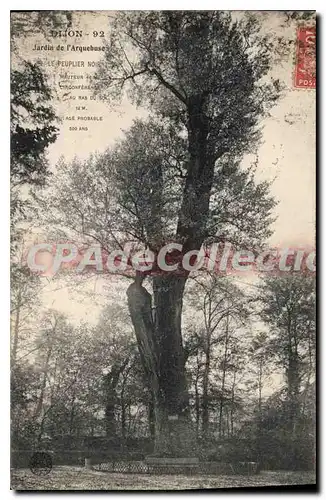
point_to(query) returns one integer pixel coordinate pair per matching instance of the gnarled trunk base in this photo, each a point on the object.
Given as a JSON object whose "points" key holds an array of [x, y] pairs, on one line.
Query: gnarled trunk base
{"points": [[161, 352], [174, 436]]}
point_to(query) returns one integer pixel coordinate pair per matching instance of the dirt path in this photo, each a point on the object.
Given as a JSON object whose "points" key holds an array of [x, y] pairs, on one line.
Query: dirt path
{"points": [[74, 478]]}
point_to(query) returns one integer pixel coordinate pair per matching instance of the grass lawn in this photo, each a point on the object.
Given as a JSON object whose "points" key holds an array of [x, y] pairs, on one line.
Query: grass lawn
{"points": [[76, 478]]}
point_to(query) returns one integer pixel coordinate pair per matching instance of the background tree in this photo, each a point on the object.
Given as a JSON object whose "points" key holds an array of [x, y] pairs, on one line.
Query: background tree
{"points": [[288, 307], [114, 328], [33, 127], [32, 124], [224, 308], [260, 359], [32, 130], [24, 295]]}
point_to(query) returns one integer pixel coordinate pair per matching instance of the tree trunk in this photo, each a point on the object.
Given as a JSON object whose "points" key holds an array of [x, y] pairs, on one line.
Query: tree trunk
{"points": [[72, 416], [260, 414], [197, 399], [223, 375], [123, 421], [227, 421], [205, 414], [16, 331], [293, 379], [161, 352], [160, 340], [168, 296], [39, 405], [200, 172], [41, 430], [110, 427], [232, 404], [111, 380], [309, 373], [151, 418]]}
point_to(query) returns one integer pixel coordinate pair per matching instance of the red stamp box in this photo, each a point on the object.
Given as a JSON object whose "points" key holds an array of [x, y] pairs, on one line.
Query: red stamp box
{"points": [[305, 65]]}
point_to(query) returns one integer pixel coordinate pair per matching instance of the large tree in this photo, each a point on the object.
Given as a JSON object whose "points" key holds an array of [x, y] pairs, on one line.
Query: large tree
{"points": [[177, 177], [201, 71]]}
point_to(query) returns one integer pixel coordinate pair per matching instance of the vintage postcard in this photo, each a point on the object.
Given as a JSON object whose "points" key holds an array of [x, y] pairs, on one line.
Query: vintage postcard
{"points": [[163, 266]]}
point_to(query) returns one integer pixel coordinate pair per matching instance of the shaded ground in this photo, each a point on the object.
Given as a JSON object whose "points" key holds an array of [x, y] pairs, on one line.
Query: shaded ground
{"points": [[75, 478]]}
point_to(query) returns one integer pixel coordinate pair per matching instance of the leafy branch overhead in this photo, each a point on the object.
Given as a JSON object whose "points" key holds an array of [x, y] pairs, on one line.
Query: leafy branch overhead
{"points": [[202, 75]]}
